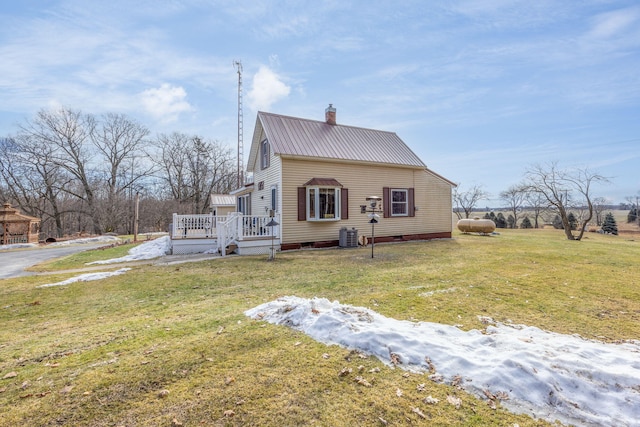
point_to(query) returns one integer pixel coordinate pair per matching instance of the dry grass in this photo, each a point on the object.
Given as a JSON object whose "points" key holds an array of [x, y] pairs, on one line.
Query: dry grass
{"points": [[101, 353]]}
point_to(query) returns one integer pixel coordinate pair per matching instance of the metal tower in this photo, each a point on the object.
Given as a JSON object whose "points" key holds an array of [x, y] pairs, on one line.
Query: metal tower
{"points": [[238, 66]]}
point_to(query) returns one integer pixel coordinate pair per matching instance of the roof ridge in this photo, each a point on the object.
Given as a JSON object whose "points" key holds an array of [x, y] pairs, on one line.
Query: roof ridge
{"points": [[323, 122]]}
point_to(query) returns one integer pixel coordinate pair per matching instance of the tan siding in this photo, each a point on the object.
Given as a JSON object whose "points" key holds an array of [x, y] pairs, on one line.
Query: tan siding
{"points": [[432, 198]]}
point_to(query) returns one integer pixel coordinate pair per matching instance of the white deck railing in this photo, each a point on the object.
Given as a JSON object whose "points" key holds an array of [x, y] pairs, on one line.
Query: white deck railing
{"points": [[194, 226], [234, 227]]}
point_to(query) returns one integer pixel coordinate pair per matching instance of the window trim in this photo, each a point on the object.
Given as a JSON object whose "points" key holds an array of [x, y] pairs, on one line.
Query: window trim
{"points": [[274, 198], [337, 201], [243, 204], [386, 202], [405, 203], [265, 154]]}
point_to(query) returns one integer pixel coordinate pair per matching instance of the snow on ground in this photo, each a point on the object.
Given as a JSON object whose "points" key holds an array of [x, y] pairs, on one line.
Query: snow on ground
{"points": [[85, 240], [543, 374], [147, 250], [87, 277], [18, 246]]}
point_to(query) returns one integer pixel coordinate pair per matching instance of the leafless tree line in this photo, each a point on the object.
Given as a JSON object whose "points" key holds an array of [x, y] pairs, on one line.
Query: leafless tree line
{"points": [[80, 173], [545, 189]]}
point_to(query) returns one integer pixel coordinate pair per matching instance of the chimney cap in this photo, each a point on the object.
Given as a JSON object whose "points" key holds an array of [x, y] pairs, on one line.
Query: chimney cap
{"points": [[330, 108]]}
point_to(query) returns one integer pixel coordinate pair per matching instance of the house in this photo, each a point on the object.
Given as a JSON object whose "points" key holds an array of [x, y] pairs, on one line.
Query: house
{"points": [[315, 176]]}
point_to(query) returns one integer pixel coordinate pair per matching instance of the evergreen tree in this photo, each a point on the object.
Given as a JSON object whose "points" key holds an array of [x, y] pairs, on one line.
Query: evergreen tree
{"points": [[511, 222], [609, 226], [486, 216], [573, 221], [632, 216], [557, 223], [526, 223], [500, 221]]}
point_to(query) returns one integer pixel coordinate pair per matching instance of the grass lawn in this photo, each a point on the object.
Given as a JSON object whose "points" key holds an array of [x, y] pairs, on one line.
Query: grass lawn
{"points": [[170, 346]]}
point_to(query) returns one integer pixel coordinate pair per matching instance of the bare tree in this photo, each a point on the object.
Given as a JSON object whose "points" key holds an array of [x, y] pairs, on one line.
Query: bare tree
{"points": [[514, 197], [193, 169], [120, 142], [67, 134], [35, 181], [560, 188], [599, 206], [538, 204], [466, 201]]}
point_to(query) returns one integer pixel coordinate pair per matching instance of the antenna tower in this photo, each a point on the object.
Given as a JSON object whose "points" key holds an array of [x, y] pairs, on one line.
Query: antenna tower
{"points": [[238, 66]]}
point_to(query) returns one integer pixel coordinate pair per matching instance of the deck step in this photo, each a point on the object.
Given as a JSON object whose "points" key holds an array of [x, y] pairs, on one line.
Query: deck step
{"points": [[231, 248]]}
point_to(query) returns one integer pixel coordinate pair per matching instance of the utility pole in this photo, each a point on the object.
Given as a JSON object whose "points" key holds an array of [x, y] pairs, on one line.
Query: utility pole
{"points": [[238, 66], [135, 217]]}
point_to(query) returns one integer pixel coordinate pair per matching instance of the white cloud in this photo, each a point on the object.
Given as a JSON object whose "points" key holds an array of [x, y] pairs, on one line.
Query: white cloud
{"points": [[165, 102], [267, 88], [612, 23]]}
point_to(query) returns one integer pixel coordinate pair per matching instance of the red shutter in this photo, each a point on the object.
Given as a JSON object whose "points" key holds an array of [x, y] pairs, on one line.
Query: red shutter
{"points": [[302, 203], [412, 203], [344, 203], [386, 202]]}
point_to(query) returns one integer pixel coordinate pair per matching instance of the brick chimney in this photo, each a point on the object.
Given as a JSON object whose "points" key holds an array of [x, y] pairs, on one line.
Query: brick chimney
{"points": [[330, 115]]}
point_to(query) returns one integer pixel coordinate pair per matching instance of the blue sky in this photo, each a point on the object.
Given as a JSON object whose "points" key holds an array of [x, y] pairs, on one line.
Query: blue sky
{"points": [[479, 90]]}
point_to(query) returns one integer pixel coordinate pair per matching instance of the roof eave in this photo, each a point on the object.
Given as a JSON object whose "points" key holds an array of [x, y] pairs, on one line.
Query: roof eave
{"points": [[349, 161]]}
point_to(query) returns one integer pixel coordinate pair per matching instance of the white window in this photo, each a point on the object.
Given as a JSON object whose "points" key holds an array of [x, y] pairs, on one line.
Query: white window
{"points": [[244, 204], [265, 152], [323, 203], [274, 198], [399, 202]]}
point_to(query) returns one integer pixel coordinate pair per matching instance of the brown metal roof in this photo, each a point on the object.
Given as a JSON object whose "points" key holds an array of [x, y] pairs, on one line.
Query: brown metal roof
{"points": [[292, 136], [323, 182]]}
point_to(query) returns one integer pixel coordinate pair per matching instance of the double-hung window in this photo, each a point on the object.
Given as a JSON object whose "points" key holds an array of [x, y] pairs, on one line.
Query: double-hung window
{"points": [[265, 152], [399, 202]]}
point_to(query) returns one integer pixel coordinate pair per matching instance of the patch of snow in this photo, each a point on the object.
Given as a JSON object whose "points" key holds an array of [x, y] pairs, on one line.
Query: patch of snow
{"points": [[85, 240], [18, 246], [87, 277], [147, 250], [438, 291], [543, 374]]}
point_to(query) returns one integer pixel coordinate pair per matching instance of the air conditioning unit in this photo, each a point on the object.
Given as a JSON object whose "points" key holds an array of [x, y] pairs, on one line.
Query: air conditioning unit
{"points": [[348, 238]]}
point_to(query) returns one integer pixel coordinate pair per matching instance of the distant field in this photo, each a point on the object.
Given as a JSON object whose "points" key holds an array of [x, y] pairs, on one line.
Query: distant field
{"points": [[170, 346], [619, 215]]}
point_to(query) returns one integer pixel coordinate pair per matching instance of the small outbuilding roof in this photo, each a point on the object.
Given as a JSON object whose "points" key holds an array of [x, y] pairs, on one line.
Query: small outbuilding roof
{"points": [[223, 200], [296, 137], [10, 215]]}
